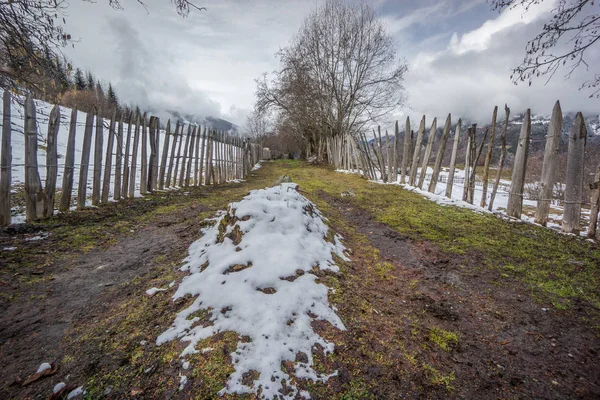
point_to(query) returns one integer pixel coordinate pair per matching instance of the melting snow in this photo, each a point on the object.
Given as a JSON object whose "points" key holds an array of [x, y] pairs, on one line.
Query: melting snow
{"points": [[75, 392], [43, 367], [154, 290], [283, 237]]}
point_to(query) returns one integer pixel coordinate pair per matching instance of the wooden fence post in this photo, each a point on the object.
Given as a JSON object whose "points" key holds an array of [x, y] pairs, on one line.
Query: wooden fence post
{"points": [[405, 151], [108, 160], [417, 153], [156, 153], [475, 154], [502, 157], [85, 157], [188, 171], [574, 176], [144, 160], [201, 177], [488, 159], [595, 200], [118, 161], [390, 161], [5, 161], [51, 162], [134, 152], [467, 171], [165, 153], [33, 190], [549, 166], [396, 145], [185, 152], [450, 182], [67, 183], [172, 159], [209, 151], [197, 157], [427, 155], [440, 155], [515, 197], [593, 229], [125, 190], [98, 159], [151, 163]]}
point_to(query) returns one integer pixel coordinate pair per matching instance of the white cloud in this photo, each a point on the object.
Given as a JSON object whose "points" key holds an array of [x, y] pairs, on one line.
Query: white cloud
{"points": [[472, 75]]}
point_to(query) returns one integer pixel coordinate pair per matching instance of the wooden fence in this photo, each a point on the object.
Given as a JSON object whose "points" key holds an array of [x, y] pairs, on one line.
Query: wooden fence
{"points": [[377, 159], [133, 156]]}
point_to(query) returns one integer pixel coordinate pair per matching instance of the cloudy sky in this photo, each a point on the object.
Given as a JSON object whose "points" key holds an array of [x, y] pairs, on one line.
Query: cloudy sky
{"points": [[459, 54]]}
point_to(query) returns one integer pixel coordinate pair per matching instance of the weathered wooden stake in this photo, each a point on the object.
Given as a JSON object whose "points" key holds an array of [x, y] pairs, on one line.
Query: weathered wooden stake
{"points": [[51, 162], [152, 132], [405, 151], [33, 190], [125, 190], [85, 158], [184, 159], [515, 197], [108, 160], [118, 161], [549, 166], [593, 231], [190, 157], [427, 155], [144, 160], [440, 155], [134, 153], [202, 156], [468, 161], [165, 153], [417, 153], [172, 158], [502, 157], [97, 184], [488, 159], [450, 182], [5, 161], [197, 157], [574, 176]]}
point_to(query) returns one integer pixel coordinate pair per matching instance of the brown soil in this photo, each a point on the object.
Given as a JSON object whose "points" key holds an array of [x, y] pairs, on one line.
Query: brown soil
{"points": [[508, 344]]}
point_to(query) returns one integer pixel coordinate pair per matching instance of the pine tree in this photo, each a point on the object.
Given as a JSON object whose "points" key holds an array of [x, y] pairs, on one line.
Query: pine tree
{"points": [[113, 101], [79, 80], [61, 76], [90, 81]]}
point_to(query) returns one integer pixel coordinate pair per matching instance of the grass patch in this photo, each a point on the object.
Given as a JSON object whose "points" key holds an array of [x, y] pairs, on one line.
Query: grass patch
{"points": [[558, 268], [444, 339]]}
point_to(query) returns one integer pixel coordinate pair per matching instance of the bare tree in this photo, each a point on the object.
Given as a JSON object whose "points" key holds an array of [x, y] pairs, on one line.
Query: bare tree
{"points": [[340, 73], [574, 24], [257, 126]]}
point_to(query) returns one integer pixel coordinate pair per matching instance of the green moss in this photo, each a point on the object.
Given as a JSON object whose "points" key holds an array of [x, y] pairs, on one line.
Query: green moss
{"points": [[384, 269], [444, 339], [439, 379]]}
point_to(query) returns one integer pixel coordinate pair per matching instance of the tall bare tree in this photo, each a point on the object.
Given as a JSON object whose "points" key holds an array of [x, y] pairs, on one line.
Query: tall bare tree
{"points": [[340, 73]]}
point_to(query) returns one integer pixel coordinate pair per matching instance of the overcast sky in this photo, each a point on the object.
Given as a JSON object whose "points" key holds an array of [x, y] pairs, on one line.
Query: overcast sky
{"points": [[459, 54]]}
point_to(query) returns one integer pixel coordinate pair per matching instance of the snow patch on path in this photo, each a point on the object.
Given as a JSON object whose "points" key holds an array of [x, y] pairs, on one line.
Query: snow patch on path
{"points": [[283, 236]]}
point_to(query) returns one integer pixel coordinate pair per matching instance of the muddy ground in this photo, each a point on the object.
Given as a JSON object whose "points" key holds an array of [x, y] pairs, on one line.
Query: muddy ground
{"points": [[421, 322]]}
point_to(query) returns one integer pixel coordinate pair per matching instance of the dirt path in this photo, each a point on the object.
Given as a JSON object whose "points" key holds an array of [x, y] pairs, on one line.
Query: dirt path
{"points": [[421, 321], [507, 344]]}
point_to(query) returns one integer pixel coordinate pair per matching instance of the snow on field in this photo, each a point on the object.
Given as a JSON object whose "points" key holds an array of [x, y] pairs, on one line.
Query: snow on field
{"points": [[250, 271], [500, 201], [42, 112]]}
